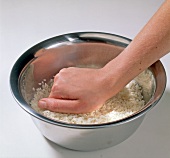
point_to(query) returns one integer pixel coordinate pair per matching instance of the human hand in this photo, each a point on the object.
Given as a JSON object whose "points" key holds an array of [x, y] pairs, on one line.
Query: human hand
{"points": [[77, 90]]}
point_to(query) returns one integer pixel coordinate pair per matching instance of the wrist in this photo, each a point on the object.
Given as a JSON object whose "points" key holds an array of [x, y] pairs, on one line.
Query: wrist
{"points": [[112, 79]]}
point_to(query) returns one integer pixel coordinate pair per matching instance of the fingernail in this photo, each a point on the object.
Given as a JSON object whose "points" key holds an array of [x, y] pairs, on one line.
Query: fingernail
{"points": [[42, 104]]}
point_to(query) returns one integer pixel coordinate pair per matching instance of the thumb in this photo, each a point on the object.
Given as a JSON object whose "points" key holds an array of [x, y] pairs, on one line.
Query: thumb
{"points": [[60, 105]]}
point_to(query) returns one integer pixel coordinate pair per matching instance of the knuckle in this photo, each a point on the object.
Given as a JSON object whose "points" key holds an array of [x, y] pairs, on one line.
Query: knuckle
{"points": [[48, 105], [55, 91], [52, 105], [55, 87], [62, 70], [56, 77]]}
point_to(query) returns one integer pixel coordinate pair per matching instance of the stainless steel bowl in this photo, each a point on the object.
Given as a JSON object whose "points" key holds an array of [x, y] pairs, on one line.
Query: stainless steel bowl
{"points": [[81, 49]]}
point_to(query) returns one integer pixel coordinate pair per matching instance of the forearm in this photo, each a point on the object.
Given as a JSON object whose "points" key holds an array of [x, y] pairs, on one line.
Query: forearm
{"points": [[148, 46]]}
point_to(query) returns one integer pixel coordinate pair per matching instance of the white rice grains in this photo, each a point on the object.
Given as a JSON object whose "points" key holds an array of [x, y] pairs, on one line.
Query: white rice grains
{"points": [[125, 103]]}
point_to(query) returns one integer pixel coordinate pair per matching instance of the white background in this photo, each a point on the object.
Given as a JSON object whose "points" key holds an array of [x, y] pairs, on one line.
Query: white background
{"points": [[24, 23]]}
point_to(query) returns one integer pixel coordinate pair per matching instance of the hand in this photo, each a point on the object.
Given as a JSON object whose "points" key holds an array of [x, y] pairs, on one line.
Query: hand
{"points": [[77, 90]]}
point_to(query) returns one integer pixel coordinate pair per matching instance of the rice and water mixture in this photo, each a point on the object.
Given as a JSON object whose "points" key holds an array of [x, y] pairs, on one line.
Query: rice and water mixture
{"points": [[125, 103]]}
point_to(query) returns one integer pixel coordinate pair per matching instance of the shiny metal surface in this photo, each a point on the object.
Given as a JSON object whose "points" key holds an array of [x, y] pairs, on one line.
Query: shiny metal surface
{"points": [[88, 139], [82, 49]]}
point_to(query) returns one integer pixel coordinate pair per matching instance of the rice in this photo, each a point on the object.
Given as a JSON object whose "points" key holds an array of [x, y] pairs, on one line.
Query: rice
{"points": [[125, 103]]}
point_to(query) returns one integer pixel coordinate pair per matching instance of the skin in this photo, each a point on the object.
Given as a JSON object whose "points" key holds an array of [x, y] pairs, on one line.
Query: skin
{"points": [[82, 90]]}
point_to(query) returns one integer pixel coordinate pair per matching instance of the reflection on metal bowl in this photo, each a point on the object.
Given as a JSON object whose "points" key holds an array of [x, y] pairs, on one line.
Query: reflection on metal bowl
{"points": [[80, 49]]}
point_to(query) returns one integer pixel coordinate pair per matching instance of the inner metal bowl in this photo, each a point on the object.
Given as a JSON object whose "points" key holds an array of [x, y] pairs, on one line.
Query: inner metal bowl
{"points": [[81, 49]]}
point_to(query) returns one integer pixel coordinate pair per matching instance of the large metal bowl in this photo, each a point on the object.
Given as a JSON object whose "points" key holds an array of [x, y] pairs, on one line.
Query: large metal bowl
{"points": [[81, 49]]}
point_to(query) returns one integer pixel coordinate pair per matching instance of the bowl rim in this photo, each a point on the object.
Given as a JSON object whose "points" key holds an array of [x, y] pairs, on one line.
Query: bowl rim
{"points": [[29, 55]]}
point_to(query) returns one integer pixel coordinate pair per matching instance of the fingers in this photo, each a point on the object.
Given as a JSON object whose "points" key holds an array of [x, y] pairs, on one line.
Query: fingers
{"points": [[59, 105], [63, 91], [59, 92]]}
